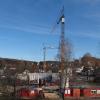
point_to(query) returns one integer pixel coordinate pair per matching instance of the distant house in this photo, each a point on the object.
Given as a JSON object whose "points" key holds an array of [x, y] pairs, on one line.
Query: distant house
{"points": [[97, 75], [23, 75], [1, 71], [79, 70]]}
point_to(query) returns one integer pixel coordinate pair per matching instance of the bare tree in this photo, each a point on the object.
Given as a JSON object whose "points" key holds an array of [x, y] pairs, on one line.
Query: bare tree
{"points": [[67, 51]]}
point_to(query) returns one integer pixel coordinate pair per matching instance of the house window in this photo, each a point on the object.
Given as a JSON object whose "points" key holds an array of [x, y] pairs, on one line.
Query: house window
{"points": [[98, 91], [67, 91], [93, 91]]}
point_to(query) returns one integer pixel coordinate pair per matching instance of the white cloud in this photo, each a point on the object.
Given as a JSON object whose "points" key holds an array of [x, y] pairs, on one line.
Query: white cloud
{"points": [[35, 29]]}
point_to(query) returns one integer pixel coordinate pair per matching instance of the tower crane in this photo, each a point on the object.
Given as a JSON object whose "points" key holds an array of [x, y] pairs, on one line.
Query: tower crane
{"points": [[44, 53], [61, 20], [64, 77], [62, 40]]}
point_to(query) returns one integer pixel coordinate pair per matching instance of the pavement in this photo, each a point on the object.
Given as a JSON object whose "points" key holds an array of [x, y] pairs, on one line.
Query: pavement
{"points": [[51, 96]]}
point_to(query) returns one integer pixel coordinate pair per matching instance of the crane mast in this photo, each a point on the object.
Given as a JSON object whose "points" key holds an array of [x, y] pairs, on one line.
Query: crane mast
{"points": [[62, 44], [63, 70], [62, 40], [62, 53]]}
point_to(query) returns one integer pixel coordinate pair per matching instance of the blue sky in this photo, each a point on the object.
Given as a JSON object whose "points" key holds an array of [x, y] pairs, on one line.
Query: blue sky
{"points": [[25, 25]]}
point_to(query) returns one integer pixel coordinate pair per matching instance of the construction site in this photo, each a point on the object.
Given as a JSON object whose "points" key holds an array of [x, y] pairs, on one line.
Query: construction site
{"points": [[63, 78]]}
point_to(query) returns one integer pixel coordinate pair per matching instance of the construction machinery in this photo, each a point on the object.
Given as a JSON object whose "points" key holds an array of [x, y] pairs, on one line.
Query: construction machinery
{"points": [[63, 70]]}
